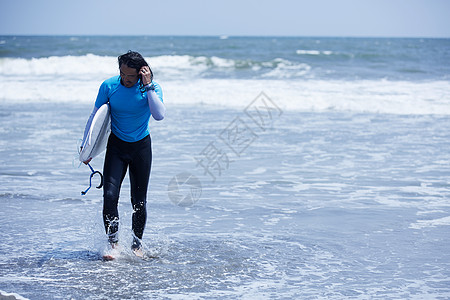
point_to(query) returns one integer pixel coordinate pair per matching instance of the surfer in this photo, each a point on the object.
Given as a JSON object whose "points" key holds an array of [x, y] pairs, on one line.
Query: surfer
{"points": [[133, 97]]}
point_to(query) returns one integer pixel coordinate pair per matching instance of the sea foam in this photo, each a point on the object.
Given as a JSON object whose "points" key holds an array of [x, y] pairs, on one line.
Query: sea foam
{"points": [[77, 79]]}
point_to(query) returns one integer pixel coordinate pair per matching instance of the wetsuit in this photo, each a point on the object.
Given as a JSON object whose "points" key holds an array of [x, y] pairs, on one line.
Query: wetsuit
{"points": [[129, 147]]}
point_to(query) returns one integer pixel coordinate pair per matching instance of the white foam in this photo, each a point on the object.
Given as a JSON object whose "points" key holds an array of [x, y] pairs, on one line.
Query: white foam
{"points": [[11, 296], [167, 66], [182, 67], [420, 224], [286, 69], [178, 66], [313, 52], [308, 52], [56, 66], [317, 95], [258, 170], [70, 79]]}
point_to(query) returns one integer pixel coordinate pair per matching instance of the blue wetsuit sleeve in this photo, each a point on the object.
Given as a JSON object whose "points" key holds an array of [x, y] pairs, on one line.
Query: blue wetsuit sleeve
{"points": [[155, 101], [102, 96]]}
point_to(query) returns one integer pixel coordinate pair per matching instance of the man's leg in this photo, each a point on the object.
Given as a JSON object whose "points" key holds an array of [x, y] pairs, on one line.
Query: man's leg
{"points": [[114, 171], [139, 179]]}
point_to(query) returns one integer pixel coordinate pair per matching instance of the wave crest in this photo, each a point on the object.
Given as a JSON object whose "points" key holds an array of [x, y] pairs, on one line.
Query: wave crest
{"points": [[165, 66]]}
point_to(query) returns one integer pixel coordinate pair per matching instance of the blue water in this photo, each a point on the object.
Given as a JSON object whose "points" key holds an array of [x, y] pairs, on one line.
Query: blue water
{"points": [[328, 58], [333, 183]]}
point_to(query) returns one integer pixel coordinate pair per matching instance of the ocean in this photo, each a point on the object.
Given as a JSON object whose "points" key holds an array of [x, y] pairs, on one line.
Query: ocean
{"points": [[286, 168]]}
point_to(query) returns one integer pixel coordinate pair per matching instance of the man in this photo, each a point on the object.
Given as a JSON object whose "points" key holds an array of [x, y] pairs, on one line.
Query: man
{"points": [[133, 97]]}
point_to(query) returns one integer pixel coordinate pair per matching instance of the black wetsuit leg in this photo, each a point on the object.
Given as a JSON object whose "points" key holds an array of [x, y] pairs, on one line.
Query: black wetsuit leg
{"points": [[119, 157], [139, 169]]}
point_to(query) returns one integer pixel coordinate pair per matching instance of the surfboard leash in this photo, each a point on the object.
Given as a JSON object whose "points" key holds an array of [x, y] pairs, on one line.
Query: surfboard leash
{"points": [[90, 180]]}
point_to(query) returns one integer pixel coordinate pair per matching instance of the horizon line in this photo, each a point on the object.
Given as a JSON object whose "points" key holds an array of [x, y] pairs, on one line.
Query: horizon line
{"points": [[223, 36]]}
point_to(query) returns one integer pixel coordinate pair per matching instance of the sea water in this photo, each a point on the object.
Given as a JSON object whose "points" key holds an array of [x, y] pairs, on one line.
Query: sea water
{"points": [[286, 168]]}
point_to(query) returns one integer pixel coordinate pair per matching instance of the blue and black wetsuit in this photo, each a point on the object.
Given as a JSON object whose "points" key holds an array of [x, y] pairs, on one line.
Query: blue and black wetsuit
{"points": [[129, 147]]}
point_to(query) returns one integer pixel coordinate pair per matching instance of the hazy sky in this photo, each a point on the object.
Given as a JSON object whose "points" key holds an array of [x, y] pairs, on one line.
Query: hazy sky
{"points": [[370, 18]]}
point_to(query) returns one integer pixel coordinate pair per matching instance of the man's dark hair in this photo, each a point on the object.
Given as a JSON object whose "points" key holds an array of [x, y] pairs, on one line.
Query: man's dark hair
{"points": [[133, 60]]}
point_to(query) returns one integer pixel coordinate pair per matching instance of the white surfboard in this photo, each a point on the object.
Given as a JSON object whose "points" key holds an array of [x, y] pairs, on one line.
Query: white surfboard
{"points": [[97, 136]]}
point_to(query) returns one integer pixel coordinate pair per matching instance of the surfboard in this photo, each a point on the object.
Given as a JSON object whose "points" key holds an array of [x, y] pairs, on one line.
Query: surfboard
{"points": [[98, 133]]}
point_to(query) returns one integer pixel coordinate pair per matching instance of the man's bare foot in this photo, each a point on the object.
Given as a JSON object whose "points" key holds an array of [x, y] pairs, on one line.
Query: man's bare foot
{"points": [[112, 252], [138, 252]]}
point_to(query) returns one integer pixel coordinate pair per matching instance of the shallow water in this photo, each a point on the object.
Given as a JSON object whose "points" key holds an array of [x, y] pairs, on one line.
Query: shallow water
{"points": [[315, 205]]}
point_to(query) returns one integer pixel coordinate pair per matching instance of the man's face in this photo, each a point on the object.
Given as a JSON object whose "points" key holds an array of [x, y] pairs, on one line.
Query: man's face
{"points": [[129, 76]]}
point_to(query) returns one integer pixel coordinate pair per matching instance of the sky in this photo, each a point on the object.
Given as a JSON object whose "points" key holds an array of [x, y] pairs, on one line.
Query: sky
{"points": [[352, 18]]}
